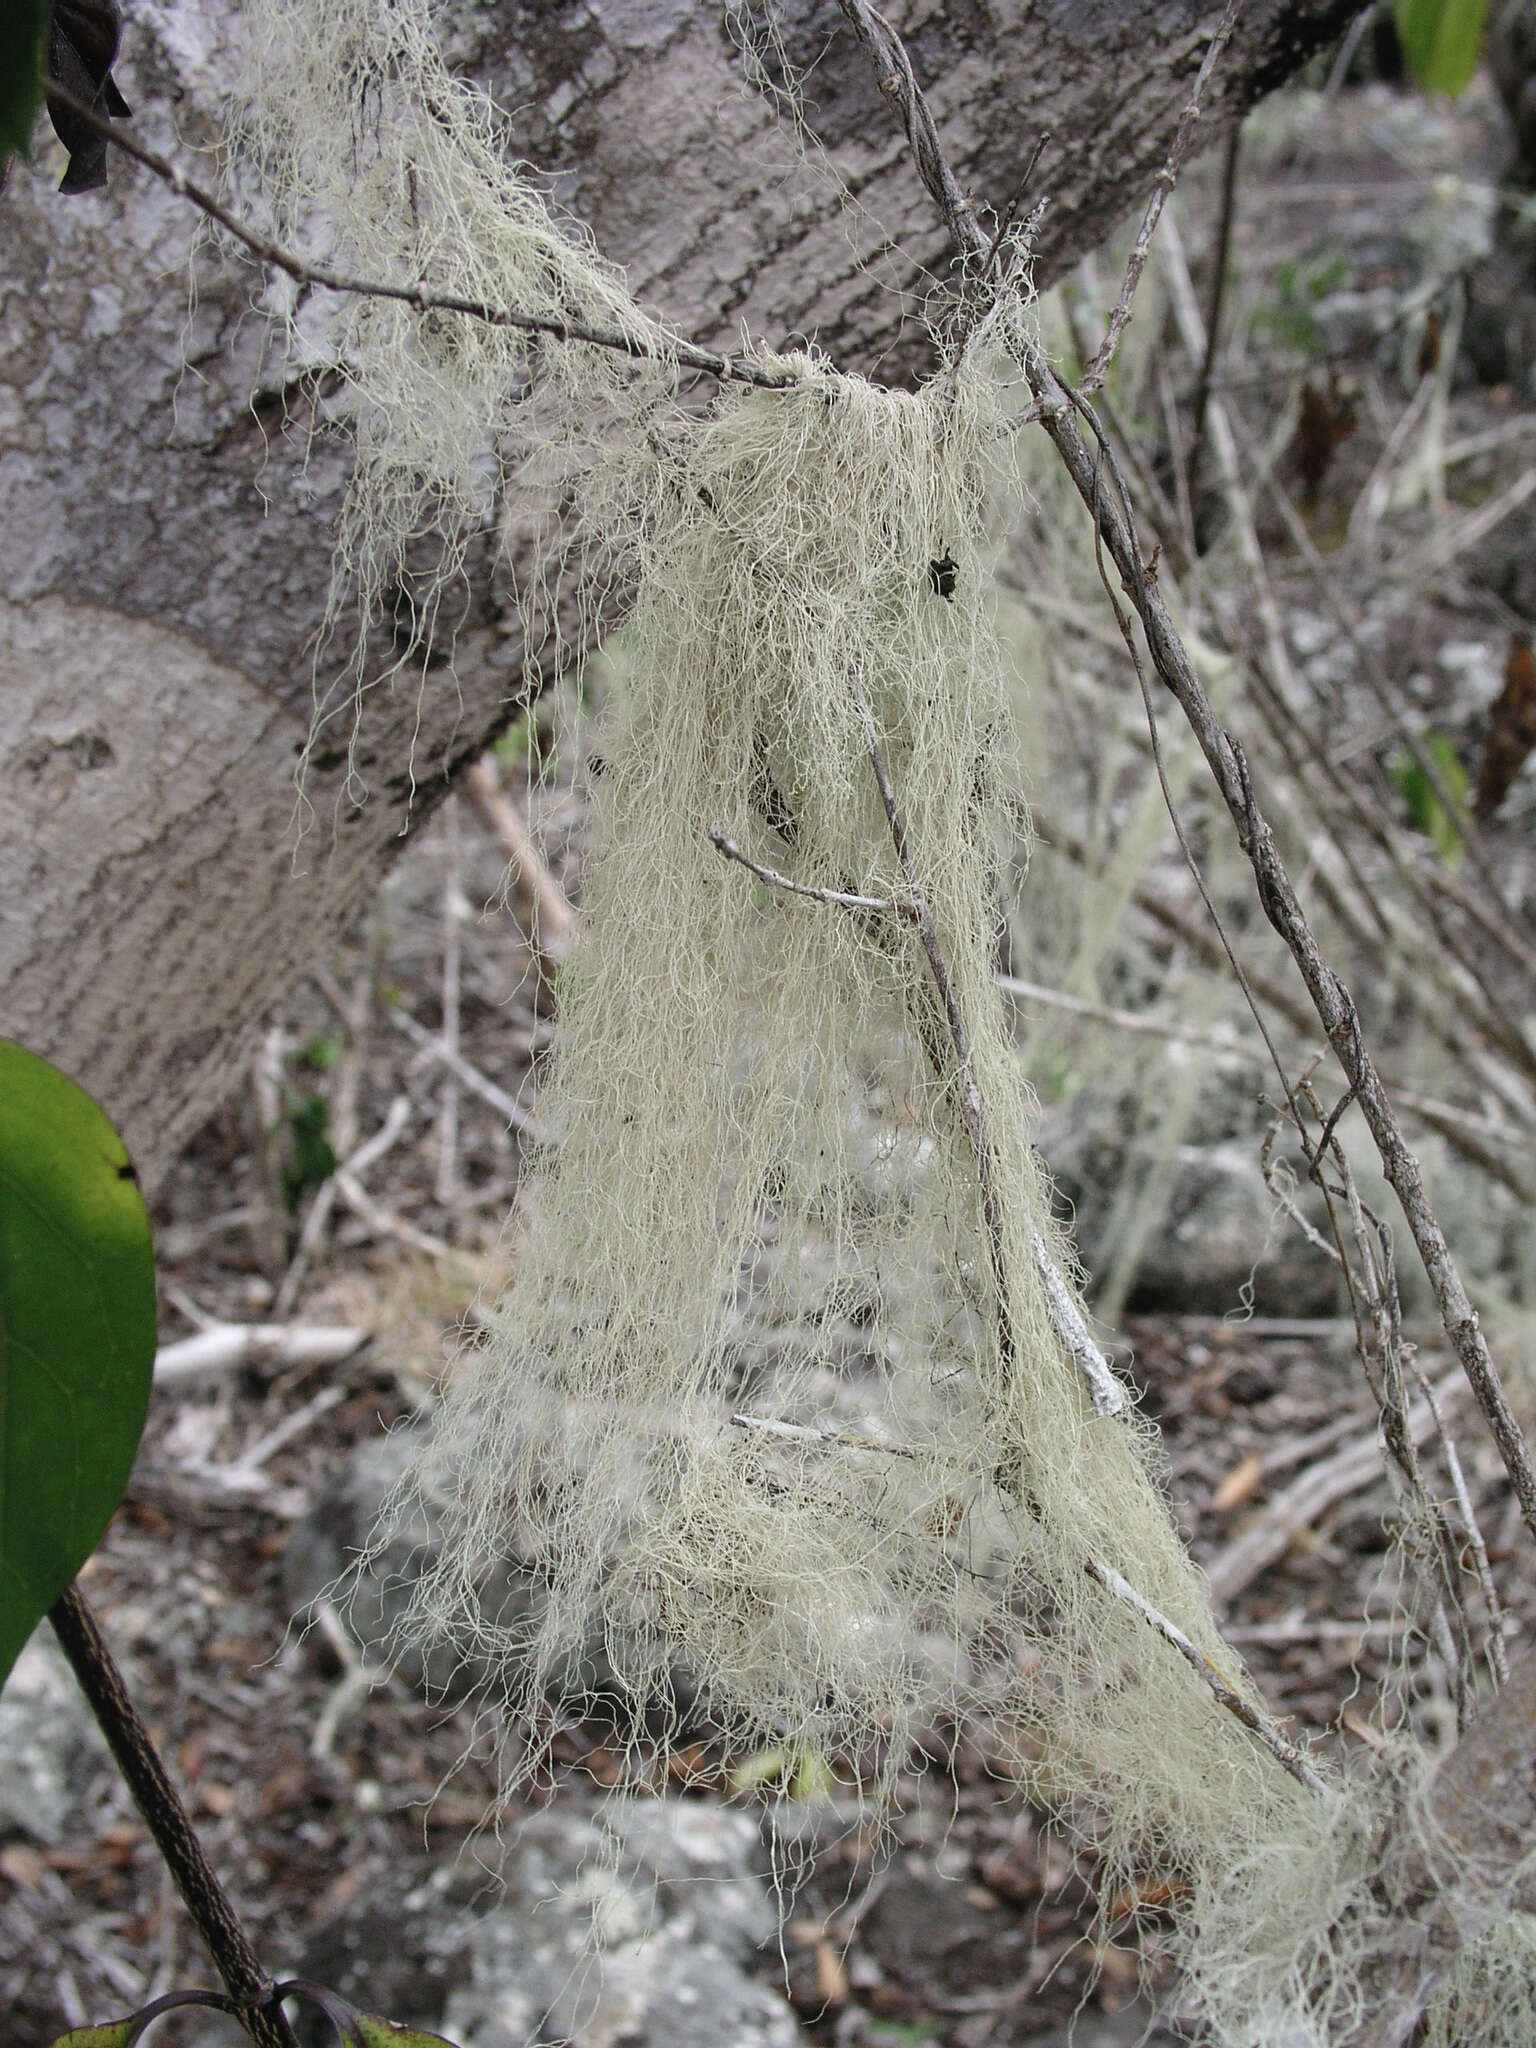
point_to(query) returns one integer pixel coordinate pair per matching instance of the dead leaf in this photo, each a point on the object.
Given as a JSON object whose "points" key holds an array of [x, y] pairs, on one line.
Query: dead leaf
{"points": [[1147, 1895], [1240, 1484], [1511, 730], [1429, 344], [23, 1866], [1357, 1725], [831, 1978], [1327, 417]]}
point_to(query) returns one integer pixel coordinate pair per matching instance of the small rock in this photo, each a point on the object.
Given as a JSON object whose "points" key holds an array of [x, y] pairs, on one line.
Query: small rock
{"points": [[49, 1745], [633, 1930]]}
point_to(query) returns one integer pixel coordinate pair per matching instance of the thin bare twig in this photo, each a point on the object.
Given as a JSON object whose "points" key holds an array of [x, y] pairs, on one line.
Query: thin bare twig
{"points": [[1220, 263], [549, 923], [1167, 178], [476, 1082], [1497, 1654], [424, 297]]}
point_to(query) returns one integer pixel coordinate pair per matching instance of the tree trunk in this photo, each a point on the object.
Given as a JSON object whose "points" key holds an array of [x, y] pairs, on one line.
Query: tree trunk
{"points": [[165, 557]]}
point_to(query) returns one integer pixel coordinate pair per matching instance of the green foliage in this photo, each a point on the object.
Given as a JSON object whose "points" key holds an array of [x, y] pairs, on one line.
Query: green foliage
{"points": [[77, 1334], [322, 1053], [517, 744], [23, 55], [803, 1773], [1425, 810], [1300, 283], [350, 2028], [310, 1159], [373, 2032], [1441, 40]]}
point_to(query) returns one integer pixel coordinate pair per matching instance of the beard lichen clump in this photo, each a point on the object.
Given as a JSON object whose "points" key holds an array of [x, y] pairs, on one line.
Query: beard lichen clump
{"points": [[356, 145], [789, 1398], [783, 1392]]}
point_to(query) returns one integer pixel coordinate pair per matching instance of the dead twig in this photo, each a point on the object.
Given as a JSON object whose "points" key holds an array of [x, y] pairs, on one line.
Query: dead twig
{"points": [[1166, 179], [265, 1347], [478, 1084], [548, 919], [1226, 1693], [665, 348]]}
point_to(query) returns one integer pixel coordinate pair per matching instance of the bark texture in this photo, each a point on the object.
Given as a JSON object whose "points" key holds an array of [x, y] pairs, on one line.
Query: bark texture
{"points": [[164, 559]]}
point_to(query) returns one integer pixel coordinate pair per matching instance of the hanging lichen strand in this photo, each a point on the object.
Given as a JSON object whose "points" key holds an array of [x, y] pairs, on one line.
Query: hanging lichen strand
{"points": [[790, 1400], [786, 1390], [359, 146]]}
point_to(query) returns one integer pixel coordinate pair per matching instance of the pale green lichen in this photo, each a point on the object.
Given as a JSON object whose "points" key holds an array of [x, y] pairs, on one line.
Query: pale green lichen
{"points": [[760, 1203]]}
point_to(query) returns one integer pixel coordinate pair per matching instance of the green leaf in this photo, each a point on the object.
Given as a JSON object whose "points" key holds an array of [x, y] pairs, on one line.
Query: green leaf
{"points": [[1441, 39], [377, 2033], [1425, 810], [126, 2033], [23, 55], [77, 1334], [310, 1160]]}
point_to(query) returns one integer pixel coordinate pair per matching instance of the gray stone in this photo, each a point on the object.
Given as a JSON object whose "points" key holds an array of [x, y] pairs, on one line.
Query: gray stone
{"points": [[50, 1747], [635, 1929]]}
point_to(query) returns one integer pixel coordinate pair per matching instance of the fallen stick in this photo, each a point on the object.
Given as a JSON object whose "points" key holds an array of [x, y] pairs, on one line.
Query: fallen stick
{"points": [[269, 1346], [547, 917], [1308, 1498], [471, 1076]]}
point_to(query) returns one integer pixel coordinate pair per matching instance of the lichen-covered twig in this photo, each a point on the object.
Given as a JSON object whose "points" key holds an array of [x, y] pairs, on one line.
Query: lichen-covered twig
{"points": [[840, 899], [1226, 1693], [806, 1433], [423, 296], [1103, 1388]]}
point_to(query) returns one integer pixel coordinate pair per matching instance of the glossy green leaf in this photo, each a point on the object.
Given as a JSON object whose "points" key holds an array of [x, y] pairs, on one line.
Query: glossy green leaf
{"points": [[23, 52], [77, 1334], [115, 2034], [1441, 40]]}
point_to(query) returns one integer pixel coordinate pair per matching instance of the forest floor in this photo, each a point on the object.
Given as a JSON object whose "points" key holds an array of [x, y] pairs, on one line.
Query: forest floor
{"points": [[335, 1807]]}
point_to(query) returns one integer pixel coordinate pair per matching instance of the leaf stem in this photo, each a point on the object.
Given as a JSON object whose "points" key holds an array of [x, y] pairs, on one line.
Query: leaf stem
{"points": [[256, 1997]]}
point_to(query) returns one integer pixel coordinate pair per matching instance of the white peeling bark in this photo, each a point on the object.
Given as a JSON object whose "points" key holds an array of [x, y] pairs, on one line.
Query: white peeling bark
{"points": [[164, 552]]}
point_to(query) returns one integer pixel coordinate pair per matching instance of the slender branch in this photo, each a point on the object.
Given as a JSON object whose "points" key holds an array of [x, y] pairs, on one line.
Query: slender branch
{"points": [[842, 899], [1167, 178], [1220, 264], [805, 1433], [1226, 1693], [424, 297], [894, 75], [256, 1998], [1497, 1651]]}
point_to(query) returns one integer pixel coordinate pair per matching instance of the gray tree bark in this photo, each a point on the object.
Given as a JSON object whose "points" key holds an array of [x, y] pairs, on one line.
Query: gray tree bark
{"points": [[164, 560]]}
